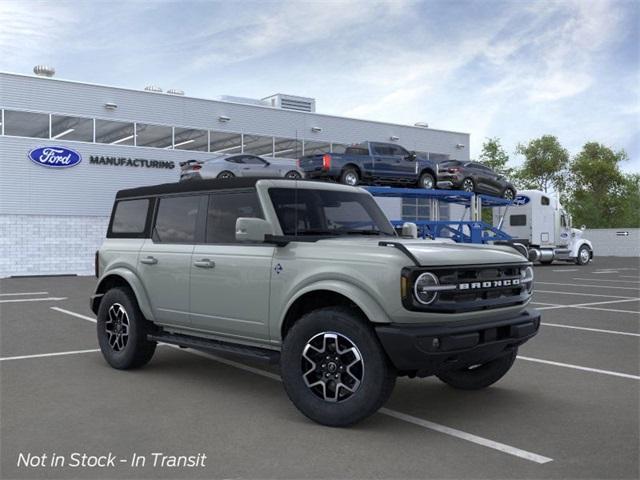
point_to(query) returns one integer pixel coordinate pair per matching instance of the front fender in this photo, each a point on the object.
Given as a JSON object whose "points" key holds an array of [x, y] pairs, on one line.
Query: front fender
{"points": [[576, 246], [133, 281], [369, 306]]}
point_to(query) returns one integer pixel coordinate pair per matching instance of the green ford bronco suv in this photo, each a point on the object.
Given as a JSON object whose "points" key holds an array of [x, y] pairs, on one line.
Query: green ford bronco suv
{"points": [[311, 276]]}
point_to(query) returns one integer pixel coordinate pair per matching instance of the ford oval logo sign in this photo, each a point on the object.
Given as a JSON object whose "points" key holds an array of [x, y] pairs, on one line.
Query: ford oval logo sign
{"points": [[55, 157], [521, 200]]}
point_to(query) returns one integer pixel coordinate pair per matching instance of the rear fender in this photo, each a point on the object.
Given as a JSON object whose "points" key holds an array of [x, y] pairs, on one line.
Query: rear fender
{"points": [[129, 278]]}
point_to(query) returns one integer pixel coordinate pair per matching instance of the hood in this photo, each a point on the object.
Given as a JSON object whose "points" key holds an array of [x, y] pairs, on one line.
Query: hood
{"points": [[438, 252]]}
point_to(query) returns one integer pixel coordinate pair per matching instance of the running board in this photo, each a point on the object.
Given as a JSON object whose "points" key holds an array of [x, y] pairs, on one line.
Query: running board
{"points": [[210, 345]]}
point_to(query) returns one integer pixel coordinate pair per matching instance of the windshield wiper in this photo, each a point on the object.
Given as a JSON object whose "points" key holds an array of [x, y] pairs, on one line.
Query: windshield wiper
{"points": [[319, 232], [365, 232]]}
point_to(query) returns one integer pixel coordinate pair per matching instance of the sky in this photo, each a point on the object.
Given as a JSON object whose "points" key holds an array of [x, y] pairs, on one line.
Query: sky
{"points": [[509, 69]]}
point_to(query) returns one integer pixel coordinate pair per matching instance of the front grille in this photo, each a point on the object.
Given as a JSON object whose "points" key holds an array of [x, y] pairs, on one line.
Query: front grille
{"points": [[474, 288]]}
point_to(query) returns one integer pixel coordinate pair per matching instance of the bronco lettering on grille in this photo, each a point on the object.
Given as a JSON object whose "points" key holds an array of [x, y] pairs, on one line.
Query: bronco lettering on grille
{"points": [[510, 282]]}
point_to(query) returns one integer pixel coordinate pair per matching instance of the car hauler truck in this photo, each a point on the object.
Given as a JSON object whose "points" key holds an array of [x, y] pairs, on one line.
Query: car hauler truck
{"points": [[538, 221]]}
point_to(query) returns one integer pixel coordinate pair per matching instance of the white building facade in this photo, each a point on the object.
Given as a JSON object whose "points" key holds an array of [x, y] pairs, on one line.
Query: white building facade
{"points": [[53, 219]]}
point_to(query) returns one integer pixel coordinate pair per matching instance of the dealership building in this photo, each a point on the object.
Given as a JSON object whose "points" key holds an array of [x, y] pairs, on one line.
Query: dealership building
{"points": [[53, 219]]}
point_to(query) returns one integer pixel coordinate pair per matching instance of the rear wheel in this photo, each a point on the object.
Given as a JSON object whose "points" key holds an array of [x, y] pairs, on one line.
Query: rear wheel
{"points": [[226, 174], [350, 177], [477, 377], [334, 369], [427, 181], [584, 255], [293, 175], [122, 331], [468, 185]]}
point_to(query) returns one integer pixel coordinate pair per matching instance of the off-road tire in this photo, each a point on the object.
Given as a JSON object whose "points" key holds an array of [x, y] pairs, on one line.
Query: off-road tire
{"points": [[346, 176], [580, 259], [225, 174], [378, 378], [137, 350], [426, 178], [481, 376]]}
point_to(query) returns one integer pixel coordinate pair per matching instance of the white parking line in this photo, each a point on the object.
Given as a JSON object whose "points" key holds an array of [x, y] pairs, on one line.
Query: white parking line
{"points": [[628, 276], [607, 280], [604, 272], [588, 286], [579, 294], [533, 457], [588, 305], [567, 270], [469, 437], [45, 299], [579, 367], [41, 355], [23, 293], [598, 330], [73, 314]]}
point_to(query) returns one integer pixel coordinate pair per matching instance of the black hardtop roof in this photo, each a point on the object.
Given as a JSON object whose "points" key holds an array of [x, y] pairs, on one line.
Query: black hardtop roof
{"points": [[193, 186]]}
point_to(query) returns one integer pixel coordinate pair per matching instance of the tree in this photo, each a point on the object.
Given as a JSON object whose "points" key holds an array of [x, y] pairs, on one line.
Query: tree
{"points": [[545, 164], [495, 157], [601, 196]]}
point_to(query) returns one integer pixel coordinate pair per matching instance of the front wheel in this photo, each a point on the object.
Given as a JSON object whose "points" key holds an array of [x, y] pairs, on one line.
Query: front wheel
{"points": [[122, 331], [584, 255], [225, 174], [509, 194], [481, 376], [334, 369]]}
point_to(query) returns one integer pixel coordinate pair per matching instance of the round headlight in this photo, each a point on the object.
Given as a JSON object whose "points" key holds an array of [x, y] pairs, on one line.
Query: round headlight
{"points": [[526, 277], [424, 288]]}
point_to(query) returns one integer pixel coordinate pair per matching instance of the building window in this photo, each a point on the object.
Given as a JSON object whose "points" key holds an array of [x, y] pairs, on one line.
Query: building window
{"points": [[415, 209], [258, 145], [26, 124], [517, 220], [287, 148], [190, 139], [114, 133], [314, 148], [71, 128], [225, 142], [157, 136]]}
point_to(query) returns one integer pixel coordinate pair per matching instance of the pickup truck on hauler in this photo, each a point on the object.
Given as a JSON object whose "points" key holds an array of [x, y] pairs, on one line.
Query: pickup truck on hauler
{"points": [[372, 163], [313, 276]]}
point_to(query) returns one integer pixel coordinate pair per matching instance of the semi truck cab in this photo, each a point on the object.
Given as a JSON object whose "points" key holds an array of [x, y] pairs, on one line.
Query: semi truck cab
{"points": [[538, 221]]}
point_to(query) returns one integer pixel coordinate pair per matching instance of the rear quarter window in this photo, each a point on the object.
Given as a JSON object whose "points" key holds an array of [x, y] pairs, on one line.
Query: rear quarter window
{"points": [[518, 220], [130, 218]]}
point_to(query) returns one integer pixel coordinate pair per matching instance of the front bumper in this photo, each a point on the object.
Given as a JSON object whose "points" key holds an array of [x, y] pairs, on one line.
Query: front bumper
{"points": [[428, 349]]}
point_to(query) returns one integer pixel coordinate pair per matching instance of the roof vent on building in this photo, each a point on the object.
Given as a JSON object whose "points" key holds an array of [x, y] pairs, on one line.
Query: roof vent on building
{"points": [[421, 124], [291, 102], [175, 91], [44, 71], [153, 88]]}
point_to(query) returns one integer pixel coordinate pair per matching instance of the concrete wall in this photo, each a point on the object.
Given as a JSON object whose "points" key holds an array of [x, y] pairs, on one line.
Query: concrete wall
{"points": [[608, 242]]}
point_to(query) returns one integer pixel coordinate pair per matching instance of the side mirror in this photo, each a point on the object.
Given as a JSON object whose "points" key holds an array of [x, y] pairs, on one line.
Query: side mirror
{"points": [[250, 229], [412, 156], [409, 229]]}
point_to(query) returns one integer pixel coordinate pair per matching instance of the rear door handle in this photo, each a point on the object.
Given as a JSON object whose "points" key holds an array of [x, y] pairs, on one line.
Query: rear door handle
{"points": [[149, 260], [204, 263]]}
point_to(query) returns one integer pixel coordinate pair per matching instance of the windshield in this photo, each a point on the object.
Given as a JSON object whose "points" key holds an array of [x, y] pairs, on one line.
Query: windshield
{"points": [[326, 212]]}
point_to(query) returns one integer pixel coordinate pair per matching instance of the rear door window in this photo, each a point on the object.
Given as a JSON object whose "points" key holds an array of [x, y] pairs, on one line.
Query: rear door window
{"points": [[176, 219], [130, 218]]}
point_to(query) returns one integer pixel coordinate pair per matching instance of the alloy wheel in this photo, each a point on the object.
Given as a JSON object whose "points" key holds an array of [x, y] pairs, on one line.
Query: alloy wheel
{"points": [[351, 179], [508, 194], [467, 185], [117, 327], [584, 255], [427, 182], [333, 366]]}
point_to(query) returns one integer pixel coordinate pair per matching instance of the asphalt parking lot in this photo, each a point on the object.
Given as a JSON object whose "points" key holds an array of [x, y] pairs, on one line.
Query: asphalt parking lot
{"points": [[568, 409]]}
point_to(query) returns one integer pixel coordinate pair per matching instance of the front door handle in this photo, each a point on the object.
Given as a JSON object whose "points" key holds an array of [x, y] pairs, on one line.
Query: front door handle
{"points": [[149, 260], [204, 263]]}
